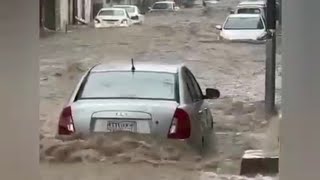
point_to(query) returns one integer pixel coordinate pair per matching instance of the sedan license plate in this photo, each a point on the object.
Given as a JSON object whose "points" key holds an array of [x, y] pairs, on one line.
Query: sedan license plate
{"points": [[113, 126]]}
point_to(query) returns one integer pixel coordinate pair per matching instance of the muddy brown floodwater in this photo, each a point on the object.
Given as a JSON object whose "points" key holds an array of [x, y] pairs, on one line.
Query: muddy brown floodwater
{"points": [[188, 37]]}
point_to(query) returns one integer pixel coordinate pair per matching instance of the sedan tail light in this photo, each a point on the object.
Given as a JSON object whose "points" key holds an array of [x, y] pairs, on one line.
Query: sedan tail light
{"points": [[181, 126], [66, 125]]}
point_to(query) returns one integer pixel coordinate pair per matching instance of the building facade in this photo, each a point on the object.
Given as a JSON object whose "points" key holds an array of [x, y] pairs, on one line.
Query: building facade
{"points": [[55, 15]]}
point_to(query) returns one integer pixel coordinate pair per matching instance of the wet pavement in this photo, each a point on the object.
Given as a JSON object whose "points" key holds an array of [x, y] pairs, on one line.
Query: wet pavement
{"points": [[189, 37]]}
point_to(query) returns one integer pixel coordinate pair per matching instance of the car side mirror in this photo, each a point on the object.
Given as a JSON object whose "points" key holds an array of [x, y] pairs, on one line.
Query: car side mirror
{"points": [[149, 8], [96, 20], [266, 35], [231, 11], [219, 27], [212, 93], [134, 17]]}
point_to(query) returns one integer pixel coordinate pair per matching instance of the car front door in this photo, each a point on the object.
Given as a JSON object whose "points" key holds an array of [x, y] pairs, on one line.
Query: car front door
{"points": [[199, 108]]}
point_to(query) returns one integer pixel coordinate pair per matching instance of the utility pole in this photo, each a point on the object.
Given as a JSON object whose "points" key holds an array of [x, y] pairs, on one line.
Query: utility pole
{"points": [[270, 76]]}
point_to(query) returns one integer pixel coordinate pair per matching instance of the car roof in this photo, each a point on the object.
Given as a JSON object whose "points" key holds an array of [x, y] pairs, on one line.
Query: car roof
{"points": [[250, 6], [263, 3], [169, 2], [150, 67], [121, 5], [244, 15], [111, 8]]}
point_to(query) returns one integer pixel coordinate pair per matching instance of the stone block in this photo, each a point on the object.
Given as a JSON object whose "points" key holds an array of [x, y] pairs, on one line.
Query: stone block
{"points": [[256, 162]]}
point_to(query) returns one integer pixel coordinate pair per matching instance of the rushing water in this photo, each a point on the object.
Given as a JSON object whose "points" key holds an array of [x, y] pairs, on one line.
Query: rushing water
{"points": [[108, 171]]}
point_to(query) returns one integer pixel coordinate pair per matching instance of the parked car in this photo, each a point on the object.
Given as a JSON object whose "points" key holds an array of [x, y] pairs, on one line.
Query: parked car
{"points": [[251, 7], [210, 3], [255, 7], [112, 17], [134, 13], [187, 3], [162, 100], [164, 6], [261, 3], [243, 27]]}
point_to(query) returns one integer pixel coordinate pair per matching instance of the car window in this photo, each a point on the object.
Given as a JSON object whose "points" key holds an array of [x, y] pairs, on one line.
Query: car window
{"points": [[125, 84], [237, 23], [190, 88], [197, 90], [112, 13]]}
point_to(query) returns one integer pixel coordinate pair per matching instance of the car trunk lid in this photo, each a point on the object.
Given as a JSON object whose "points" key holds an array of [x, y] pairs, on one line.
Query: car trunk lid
{"points": [[106, 115]]}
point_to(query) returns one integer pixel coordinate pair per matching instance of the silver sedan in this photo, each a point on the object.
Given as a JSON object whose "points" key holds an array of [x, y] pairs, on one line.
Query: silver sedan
{"points": [[162, 100]]}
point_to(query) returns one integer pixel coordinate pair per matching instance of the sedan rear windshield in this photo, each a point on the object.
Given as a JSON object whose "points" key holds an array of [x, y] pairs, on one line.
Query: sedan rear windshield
{"points": [[238, 23], [161, 6], [129, 85], [112, 13], [249, 11]]}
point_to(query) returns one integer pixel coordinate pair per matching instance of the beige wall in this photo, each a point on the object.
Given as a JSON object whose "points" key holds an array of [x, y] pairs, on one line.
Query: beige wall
{"points": [[86, 6], [88, 10], [64, 14]]}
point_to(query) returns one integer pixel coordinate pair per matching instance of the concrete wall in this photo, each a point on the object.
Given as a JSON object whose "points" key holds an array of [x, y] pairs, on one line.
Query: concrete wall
{"points": [[96, 6], [57, 15], [79, 8], [70, 9], [87, 10], [64, 14], [84, 9]]}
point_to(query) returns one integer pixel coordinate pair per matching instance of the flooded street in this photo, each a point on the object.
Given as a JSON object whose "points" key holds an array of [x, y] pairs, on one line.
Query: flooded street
{"points": [[189, 37], [123, 172]]}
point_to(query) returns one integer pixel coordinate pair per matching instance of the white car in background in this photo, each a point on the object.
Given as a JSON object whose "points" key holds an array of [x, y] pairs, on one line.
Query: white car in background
{"points": [[112, 17], [239, 27], [164, 6], [251, 7], [210, 3], [134, 13], [255, 7]]}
